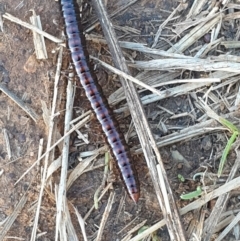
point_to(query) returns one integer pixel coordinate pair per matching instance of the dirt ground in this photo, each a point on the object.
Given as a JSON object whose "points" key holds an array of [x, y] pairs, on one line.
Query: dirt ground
{"points": [[32, 81]]}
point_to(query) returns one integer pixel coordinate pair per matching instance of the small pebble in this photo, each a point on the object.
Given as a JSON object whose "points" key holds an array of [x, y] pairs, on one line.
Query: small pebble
{"points": [[206, 143], [179, 166], [207, 38]]}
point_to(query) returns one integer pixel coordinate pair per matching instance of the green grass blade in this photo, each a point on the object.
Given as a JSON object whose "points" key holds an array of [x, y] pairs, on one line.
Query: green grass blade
{"points": [[226, 151], [192, 195]]}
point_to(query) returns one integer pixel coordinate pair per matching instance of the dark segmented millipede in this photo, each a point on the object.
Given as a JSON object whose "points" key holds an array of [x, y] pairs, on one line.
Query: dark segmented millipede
{"points": [[77, 45]]}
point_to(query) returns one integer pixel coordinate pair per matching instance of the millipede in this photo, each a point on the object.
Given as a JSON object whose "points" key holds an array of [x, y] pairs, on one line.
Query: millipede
{"points": [[80, 58]]}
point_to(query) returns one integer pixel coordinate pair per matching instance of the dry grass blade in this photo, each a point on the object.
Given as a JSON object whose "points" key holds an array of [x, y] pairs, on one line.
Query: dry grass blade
{"points": [[80, 168], [11, 218], [81, 223], [126, 76], [105, 216], [228, 228], [220, 205], [61, 200], [230, 44], [119, 9], [164, 24], [19, 102], [233, 184], [151, 78], [194, 230], [1, 23], [106, 189], [195, 34], [34, 230], [70, 228], [77, 126], [54, 166], [190, 64], [31, 27], [196, 8], [51, 138], [151, 151], [133, 230], [39, 43], [129, 224], [142, 48], [175, 91], [8, 147]]}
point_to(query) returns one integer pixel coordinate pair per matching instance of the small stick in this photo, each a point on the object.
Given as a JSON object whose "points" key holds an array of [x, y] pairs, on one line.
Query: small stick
{"points": [[1, 23], [8, 147]]}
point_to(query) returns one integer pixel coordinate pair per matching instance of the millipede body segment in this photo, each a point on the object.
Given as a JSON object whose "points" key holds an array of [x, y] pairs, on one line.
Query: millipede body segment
{"points": [[77, 45]]}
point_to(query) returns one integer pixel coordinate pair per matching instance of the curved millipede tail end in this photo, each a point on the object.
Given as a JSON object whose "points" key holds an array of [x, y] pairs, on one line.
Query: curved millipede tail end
{"points": [[135, 196]]}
